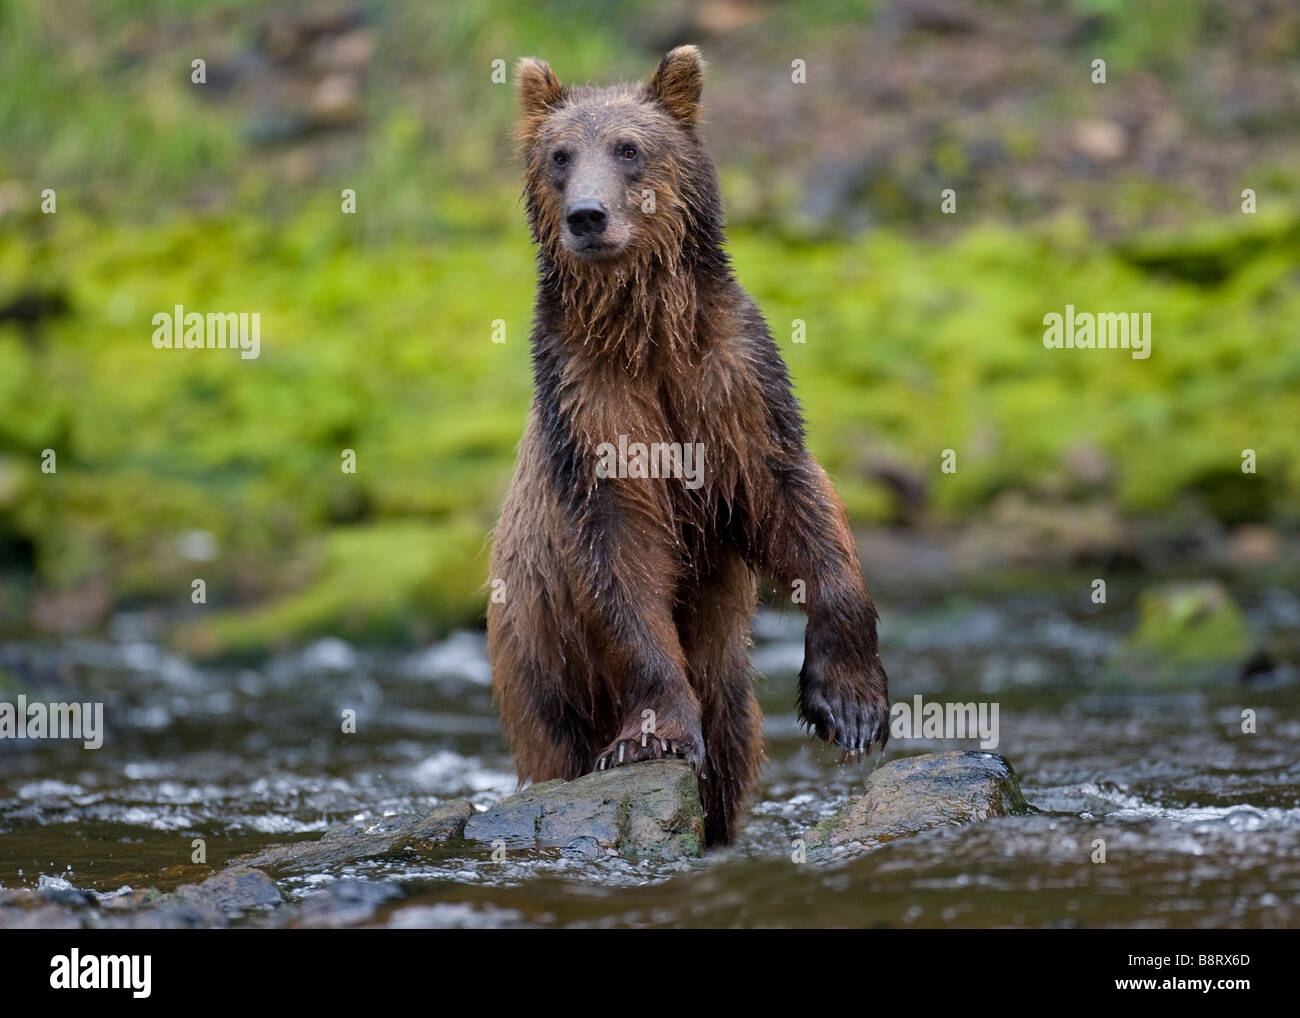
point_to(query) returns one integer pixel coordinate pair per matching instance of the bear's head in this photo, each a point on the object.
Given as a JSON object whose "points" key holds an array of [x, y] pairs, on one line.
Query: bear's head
{"points": [[615, 176]]}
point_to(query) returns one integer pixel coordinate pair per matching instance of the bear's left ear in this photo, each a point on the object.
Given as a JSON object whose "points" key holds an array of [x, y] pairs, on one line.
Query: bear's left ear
{"points": [[678, 82]]}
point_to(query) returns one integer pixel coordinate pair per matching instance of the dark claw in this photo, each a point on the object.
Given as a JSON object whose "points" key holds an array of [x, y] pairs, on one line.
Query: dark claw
{"points": [[852, 727]]}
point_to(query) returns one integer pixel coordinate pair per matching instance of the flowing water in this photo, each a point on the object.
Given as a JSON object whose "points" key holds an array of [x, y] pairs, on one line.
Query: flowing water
{"points": [[1200, 821]]}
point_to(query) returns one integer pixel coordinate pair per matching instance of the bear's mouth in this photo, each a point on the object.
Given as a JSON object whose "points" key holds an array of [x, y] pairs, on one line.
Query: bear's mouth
{"points": [[597, 250]]}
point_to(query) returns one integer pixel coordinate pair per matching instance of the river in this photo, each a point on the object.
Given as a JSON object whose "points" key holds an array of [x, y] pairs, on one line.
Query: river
{"points": [[1199, 821]]}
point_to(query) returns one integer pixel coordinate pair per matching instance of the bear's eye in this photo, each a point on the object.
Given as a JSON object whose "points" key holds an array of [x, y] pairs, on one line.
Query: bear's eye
{"points": [[627, 152], [560, 158]]}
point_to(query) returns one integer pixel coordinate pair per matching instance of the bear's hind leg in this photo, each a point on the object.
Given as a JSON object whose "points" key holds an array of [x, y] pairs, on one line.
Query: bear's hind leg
{"points": [[543, 674], [714, 630], [733, 739], [549, 736]]}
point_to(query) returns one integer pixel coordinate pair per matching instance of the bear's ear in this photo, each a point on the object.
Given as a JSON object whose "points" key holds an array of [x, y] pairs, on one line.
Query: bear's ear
{"points": [[678, 82], [539, 90]]}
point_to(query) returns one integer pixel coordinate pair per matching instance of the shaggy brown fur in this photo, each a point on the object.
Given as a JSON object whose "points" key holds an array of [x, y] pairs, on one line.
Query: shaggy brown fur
{"points": [[623, 595]]}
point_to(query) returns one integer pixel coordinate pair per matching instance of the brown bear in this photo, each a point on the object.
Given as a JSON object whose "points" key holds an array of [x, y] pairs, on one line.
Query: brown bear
{"points": [[663, 464]]}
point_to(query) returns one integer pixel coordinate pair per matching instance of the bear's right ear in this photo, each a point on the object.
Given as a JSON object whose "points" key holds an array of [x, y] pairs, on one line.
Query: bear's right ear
{"points": [[539, 90]]}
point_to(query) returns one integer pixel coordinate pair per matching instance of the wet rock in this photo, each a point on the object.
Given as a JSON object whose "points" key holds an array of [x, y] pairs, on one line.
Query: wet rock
{"points": [[351, 842], [644, 809], [61, 892], [1187, 632], [128, 898], [346, 902], [905, 797], [586, 847], [173, 915], [54, 905], [212, 903], [23, 909], [227, 893], [443, 824]]}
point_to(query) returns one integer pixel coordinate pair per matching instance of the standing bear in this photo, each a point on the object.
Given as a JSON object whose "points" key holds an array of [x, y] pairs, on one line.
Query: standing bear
{"points": [[662, 466]]}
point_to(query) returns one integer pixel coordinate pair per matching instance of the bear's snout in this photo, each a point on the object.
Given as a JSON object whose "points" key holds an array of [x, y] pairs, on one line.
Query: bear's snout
{"points": [[587, 218]]}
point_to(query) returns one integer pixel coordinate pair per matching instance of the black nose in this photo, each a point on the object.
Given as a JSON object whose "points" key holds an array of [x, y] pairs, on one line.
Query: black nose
{"points": [[586, 217]]}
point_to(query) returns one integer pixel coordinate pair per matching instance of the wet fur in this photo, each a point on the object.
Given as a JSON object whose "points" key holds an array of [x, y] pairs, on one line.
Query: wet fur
{"points": [[628, 594]]}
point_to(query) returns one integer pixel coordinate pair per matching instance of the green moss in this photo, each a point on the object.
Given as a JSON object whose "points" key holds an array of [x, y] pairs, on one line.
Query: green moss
{"points": [[376, 327], [1187, 633], [388, 582], [1191, 623], [386, 349]]}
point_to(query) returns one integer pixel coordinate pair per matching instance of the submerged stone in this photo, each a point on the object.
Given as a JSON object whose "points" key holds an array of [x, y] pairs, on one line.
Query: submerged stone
{"points": [[907, 796], [352, 842]]}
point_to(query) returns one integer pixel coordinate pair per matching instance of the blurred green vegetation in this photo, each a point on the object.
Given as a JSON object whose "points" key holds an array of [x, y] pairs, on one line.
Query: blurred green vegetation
{"points": [[376, 327], [1188, 634]]}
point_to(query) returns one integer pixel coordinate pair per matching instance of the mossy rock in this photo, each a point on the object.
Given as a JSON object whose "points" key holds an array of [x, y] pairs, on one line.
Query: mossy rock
{"points": [[1186, 633], [643, 810]]}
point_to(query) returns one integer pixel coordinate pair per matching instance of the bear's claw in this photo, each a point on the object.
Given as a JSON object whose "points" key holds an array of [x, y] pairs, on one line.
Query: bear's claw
{"points": [[634, 750], [854, 729]]}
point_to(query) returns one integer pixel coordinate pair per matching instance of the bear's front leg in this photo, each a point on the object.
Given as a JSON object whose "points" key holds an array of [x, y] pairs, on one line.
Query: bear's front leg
{"points": [[630, 565], [661, 713], [843, 689]]}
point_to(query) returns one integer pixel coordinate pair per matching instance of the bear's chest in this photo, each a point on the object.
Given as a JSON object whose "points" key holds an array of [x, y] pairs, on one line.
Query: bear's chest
{"points": [[696, 429]]}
